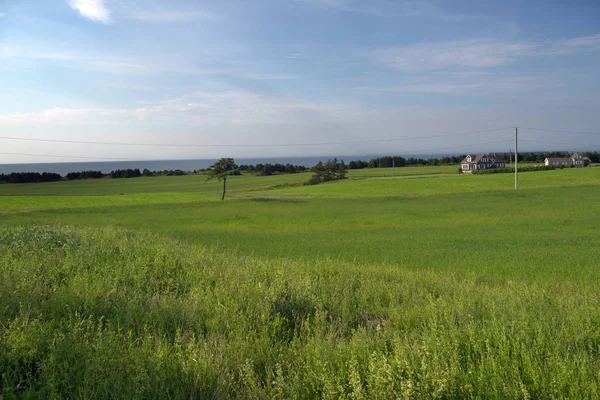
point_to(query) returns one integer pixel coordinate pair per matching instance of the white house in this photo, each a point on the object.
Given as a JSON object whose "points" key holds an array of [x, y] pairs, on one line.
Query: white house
{"points": [[576, 159]]}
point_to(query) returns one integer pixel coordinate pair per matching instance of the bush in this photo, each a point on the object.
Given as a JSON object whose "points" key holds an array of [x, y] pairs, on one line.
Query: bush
{"points": [[512, 170], [332, 170]]}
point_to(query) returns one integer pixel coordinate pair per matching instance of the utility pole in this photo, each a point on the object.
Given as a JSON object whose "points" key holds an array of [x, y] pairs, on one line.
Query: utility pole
{"points": [[516, 158], [394, 166]]}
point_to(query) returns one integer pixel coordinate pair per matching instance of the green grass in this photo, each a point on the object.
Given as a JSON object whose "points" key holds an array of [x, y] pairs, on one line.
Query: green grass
{"points": [[428, 285], [102, 313], [31, 203], [446, 184], [404, 171], [158, 184]]}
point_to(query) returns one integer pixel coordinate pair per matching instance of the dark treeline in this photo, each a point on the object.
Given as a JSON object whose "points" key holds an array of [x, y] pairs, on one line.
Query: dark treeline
{"points": [[166, 172], [539, 157], [122, 173], [389, 161], [270, 169], [125, 173], [84, 175], [594, 156], [29, 177]]}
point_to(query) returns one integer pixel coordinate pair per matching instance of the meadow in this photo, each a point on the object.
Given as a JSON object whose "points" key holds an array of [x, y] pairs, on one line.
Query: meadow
{"points": [[426, 285]]}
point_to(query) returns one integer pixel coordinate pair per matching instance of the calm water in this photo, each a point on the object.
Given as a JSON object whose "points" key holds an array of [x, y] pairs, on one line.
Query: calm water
{"points": [[161, 165]]}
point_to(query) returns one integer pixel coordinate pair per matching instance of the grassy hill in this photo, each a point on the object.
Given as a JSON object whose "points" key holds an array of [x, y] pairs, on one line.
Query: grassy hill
{"points": [[431, 284]]}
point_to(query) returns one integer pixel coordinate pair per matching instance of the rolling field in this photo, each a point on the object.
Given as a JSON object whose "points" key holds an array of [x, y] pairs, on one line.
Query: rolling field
{"points": [[427, 285]]}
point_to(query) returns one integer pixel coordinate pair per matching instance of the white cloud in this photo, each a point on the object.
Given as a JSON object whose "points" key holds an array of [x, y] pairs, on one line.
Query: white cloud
{"points": [[1, 15], [92, 9], [233, 107]]}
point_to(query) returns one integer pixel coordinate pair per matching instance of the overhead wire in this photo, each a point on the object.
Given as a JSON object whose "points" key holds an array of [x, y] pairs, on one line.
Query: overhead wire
{"points": [[253, 144], [561, 131]]}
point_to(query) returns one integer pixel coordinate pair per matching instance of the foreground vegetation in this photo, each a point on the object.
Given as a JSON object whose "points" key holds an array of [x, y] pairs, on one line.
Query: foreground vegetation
{"points": [[429, 285], [97, 313]]}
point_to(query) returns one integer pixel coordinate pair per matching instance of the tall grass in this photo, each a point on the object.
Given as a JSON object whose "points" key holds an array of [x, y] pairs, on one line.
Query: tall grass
{"points": [[106, 313]]}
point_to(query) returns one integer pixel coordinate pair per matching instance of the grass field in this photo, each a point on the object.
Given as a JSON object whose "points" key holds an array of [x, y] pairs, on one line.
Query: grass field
{"points": [[429, 285]]}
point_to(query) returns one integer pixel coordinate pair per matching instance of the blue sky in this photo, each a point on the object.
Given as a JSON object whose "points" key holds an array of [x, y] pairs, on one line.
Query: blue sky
{"points": [[268, 72]]}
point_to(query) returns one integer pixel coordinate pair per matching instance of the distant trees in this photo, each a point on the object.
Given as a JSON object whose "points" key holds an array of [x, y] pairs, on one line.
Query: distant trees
{"points": [[29, 177], [593, 156], [332, 170], [84, 175], [391, 161], [270, 169], [358, 164], [125, 173], [220, 170]]}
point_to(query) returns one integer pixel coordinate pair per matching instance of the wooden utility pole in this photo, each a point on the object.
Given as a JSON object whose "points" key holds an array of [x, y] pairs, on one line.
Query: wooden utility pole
{"points": [[394, 166], [516, 158]]}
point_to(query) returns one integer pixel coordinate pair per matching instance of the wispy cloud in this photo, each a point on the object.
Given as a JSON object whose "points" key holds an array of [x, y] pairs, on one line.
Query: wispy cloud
{"points": [[470, 53], [391, 8], [467, 85], [477, 53], [131, 64], [72, 59], [574, 45], [1, 15], [232, 107], [172, 16], [94, 10]]}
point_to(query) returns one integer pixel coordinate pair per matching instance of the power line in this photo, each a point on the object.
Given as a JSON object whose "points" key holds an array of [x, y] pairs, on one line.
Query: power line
{"points": [[252, 145], [455, 147], [60, 156], [128, 159], [562, 131], [559, 143]]}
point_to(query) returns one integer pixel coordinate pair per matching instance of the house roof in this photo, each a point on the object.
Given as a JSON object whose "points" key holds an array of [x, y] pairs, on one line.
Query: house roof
{"points": [[498, 158], [475, 158], [575, 155]]}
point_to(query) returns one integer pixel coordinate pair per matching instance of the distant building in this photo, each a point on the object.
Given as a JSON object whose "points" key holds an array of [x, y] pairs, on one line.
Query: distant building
{"points": [[558, 161], [575, 159], [482, 161]]}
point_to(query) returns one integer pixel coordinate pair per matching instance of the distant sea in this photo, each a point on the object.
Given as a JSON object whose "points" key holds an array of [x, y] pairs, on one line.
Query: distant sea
{"points": [[161, 165]]}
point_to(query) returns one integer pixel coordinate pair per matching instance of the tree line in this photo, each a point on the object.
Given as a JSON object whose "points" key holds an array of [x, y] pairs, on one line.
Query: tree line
{"points": [[29, 177], [397, 161], [323, 172], [270, 169], [391, 161]]}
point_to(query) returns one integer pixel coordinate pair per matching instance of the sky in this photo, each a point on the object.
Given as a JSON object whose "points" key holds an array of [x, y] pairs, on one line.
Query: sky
{"points": [[272, 78]]}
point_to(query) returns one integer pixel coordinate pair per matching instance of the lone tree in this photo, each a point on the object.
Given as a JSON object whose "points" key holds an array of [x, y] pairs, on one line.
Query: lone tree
{"points": [[220, 170]]}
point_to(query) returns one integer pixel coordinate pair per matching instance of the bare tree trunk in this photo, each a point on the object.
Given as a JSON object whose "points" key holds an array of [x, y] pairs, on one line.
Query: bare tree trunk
{"points": [[224, 187]]}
